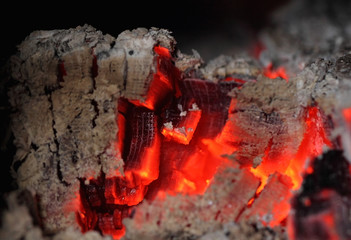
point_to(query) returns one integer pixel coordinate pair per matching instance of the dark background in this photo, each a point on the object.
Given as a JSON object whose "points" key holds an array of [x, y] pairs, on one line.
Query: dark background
{"points": [[208, 26], [193, 18]]}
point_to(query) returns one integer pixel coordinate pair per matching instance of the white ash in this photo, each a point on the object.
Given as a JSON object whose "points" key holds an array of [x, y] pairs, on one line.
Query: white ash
{"points": [[168, 125], [182, 113], [194, 107], [181, 130]]}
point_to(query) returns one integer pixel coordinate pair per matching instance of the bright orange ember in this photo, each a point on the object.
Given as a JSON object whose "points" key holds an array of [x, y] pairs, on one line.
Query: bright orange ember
{"points": [[184, 130]]}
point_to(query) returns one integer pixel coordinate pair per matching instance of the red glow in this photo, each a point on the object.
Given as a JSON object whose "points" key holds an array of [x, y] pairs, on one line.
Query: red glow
{"points": [[275, 73], [199, 169], [194, 175], [276, 193], [347, 115], [108, 226], [262, 176], [311, 146], [149, 165], [162, 51], [237, 80], [307, 202], [250, 202], [174, 153]]}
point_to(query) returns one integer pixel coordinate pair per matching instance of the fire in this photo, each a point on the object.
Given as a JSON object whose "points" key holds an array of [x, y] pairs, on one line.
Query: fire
{"points": [[175, 140]]}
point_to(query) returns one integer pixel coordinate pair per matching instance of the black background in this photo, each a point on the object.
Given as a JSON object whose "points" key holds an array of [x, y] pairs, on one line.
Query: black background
{"points": [[189, 19]]}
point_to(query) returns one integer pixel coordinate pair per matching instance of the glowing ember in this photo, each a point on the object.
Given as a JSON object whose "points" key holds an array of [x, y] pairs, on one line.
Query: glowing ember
{"points": [[174, 141], [164, 151], [184, 129], [270, 72]]}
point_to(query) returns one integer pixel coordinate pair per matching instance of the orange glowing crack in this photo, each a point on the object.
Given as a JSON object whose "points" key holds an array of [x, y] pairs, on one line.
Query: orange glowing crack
{"points": [[250, 202], [260, 175], [159, 87], [237, 80], [260, 172]]}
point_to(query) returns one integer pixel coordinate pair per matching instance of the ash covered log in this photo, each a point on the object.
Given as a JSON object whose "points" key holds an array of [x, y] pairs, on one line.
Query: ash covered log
{"points": [[129, 128], [67, 83]]}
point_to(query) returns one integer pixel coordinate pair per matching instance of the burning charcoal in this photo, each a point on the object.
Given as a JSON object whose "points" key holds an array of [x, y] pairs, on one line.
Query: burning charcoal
{"points": [[107, 225], [226, 196], [181, 152], [182, 128], [117, 219], [93, 195], [213, 102], [206, 93], [92, 192], [141, 144], [271, 206], [187, 168], [118, 192], [87, 218], [322, 209]]}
